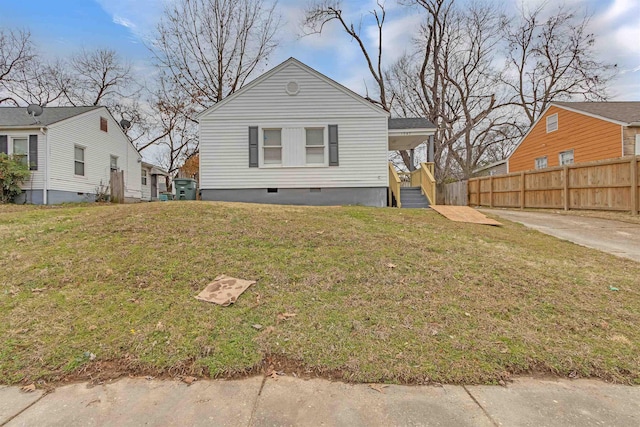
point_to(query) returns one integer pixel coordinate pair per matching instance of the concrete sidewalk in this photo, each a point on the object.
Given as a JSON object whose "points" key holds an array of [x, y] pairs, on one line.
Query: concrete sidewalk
{"points": [[615, 237], [290, 401]]}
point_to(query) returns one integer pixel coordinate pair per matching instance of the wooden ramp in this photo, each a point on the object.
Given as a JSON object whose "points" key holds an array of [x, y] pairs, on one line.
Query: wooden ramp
{"points": [[463, 214]]}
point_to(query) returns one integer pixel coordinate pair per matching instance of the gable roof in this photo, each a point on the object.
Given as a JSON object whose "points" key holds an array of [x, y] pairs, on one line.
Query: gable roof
{"points": [[490, 165], [410, 123], [620, 112], [18, 117], [305, 67]]}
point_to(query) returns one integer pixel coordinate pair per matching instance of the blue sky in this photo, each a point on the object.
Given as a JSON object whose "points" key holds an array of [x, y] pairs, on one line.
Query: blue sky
{"points": [[62, 27]]}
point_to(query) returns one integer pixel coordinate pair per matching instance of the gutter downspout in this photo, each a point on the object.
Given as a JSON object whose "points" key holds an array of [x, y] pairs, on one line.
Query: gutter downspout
{"points": [[45, 185]]}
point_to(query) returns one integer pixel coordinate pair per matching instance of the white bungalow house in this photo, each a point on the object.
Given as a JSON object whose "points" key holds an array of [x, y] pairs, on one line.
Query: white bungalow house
{"points": [[294, 136], [154, 182], [71, 152]]}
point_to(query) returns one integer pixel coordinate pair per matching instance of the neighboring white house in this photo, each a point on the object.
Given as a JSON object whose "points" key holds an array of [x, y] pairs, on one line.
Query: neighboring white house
{"points": [[71, 152], [154, 182], [294, 136]]}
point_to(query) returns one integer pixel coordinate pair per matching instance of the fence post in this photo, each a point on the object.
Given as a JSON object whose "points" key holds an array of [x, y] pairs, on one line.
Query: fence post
{"points": [[491, 191], [522, 190], [634, 185], [565, 178], [479, 185]]}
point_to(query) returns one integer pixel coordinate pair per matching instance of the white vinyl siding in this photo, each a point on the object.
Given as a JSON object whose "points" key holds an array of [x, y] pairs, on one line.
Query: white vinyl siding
{"points": [[36, 177], [362, 132], [84, 131], [566, 157], [552, 123]]}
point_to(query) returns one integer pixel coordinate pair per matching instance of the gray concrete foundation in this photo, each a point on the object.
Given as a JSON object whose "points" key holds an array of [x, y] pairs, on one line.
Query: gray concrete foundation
{"points": [[302, 196], [55, 197]]}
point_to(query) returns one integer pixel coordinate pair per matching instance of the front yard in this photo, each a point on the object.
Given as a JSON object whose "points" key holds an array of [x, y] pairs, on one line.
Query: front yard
{"points": [[100, 291]]}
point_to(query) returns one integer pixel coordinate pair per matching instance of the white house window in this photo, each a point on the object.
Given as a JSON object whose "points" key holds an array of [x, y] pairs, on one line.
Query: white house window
{"points": [[552, 123], [144, 177], [566, 157], [272, 146], [541, 162], [79, 160], [114, 163], [21, 150], [314, 141]]}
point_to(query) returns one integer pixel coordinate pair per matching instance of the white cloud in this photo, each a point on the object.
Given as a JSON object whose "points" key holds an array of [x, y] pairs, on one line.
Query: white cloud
{"points": [[119, 20]]}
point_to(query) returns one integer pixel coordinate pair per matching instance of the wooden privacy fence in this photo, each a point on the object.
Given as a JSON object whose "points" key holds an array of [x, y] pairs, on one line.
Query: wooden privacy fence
{"points": [[453, 193], [603, 185], [117, 186]]}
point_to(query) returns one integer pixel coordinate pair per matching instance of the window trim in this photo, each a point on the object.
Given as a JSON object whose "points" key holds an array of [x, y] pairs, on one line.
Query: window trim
{"points": [[261, 162], [556, 122], [546, 162], [144, 177], [324, 146], [83, 161], [111, 157], [573, 158], [13, 148]]}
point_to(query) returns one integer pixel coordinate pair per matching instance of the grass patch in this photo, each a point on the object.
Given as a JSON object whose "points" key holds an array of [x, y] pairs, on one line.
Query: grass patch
{"points": [[465, 304]]}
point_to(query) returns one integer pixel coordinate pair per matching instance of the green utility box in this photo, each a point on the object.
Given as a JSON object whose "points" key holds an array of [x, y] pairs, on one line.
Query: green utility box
{"points": [[186, 188]]}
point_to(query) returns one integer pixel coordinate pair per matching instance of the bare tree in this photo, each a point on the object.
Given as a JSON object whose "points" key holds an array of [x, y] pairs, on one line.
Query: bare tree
{"points": [[39, 83], [16, 53], [319, 13], [551, 57], [451, 79], [100, 77], [178, 136], [211, 47]]}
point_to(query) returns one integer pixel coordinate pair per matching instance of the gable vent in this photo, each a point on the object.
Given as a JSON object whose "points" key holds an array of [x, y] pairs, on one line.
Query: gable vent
{"points": [[293, 88]]}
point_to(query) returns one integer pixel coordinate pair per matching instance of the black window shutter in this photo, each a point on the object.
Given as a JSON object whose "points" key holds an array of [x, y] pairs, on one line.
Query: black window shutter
{"points": [[253, 146], [333, 145], [3, 145], [33, 152]]}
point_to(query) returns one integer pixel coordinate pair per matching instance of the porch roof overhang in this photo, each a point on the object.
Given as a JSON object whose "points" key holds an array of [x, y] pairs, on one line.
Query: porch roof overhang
{"points": [[405, 134], [406, 139]]}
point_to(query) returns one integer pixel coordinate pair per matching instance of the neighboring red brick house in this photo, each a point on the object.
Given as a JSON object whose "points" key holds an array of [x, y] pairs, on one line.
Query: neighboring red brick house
{"points": [[577, 132]]}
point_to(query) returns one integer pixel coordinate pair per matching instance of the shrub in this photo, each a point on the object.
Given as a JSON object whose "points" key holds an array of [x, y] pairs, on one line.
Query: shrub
{"points": [[12, 173]]}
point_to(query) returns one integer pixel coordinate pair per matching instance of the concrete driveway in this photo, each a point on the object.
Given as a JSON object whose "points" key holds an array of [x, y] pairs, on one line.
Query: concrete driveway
{"points": [[615, 237]]}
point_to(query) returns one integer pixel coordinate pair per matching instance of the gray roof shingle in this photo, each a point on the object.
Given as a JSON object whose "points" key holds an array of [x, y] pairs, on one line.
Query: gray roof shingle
{"points": [[17, 116], [627, 112], [410, 123]]}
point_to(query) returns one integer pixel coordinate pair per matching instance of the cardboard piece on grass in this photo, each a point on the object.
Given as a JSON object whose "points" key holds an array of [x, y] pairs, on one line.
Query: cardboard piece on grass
{"points": [[224, 290]]}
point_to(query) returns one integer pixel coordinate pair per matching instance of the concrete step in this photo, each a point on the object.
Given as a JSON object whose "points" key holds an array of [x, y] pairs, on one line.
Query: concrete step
{"points": [[415, 205]]}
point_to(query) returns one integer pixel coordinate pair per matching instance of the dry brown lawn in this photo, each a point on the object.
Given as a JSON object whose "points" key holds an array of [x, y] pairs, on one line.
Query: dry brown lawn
{"points": [[97, 291]]}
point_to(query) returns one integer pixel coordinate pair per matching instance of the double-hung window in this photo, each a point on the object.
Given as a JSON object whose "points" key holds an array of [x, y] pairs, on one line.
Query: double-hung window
{"points": [[314, 146], [144, 177], [114, 163], [21, 150], [541, 162], [566, 157], [272, 146], [79, 160]]}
